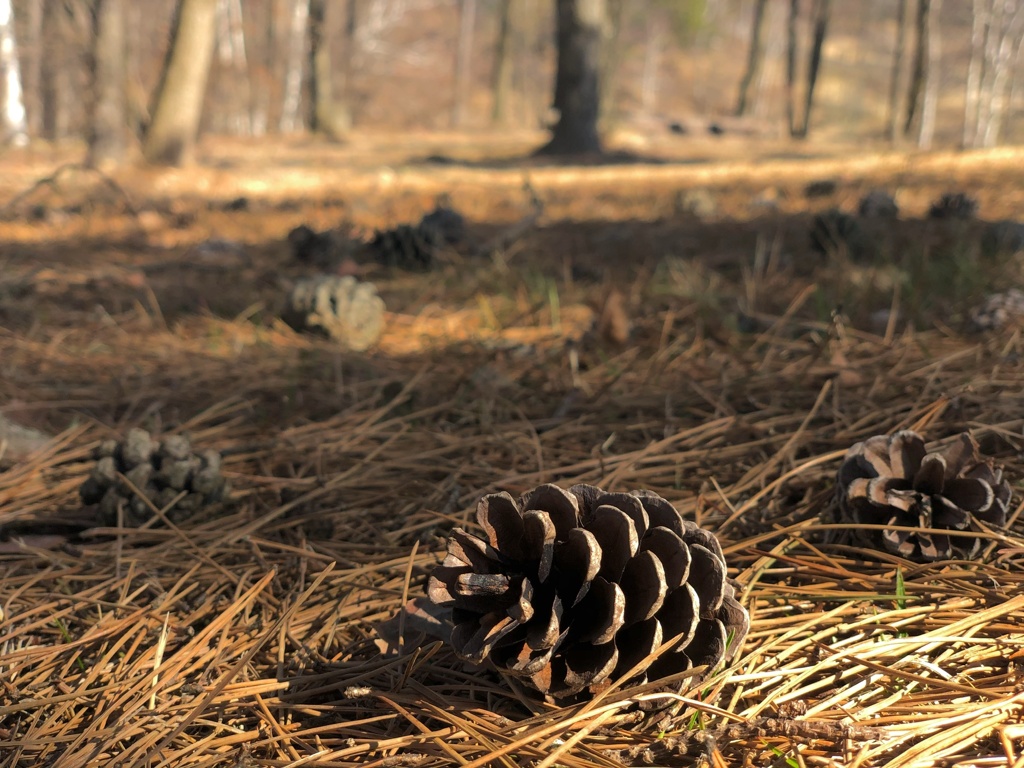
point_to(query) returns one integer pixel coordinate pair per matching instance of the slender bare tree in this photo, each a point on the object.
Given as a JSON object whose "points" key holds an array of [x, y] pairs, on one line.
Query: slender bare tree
{"points": [[930, 103], [290, 117], [14, 115], [327, 115], [501, 75], [171, 136], [895, 78], [463, 61], [755, 57]]}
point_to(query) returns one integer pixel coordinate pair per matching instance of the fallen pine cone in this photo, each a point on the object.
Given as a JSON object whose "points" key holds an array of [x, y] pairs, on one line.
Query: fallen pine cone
{"points": [[570, 590], [892, 480]]}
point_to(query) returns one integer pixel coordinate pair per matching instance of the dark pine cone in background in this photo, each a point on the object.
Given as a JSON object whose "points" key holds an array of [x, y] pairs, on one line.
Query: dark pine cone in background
{"points": [[835, 232], [572, 589], [893, 480], [446, 222], [161, 470], [878, 204], [346, 310], [317, 249], [954, 205], [408, 247]]}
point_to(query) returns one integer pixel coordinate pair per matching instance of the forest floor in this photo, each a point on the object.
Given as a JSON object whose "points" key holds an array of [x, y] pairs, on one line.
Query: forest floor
{"points": [[245, 634]]}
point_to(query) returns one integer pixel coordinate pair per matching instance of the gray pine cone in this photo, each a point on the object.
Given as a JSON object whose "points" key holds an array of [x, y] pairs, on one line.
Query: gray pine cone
{"points": [[161, 470], [343, 308]]}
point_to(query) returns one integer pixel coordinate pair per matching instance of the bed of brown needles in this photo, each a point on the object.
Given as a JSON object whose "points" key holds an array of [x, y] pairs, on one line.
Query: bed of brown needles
{"points": [[245, 636]]}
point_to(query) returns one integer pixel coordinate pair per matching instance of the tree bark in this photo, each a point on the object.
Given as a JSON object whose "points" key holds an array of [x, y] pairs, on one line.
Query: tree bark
{"points": [[293, 70], [501, 77], [463, 61], [755, 57], [580, 31], [822, 11], [897, 70], [326, 114], [14, 116], [234, 92], [1009, 32], [791, 46], [929, 107], [31, 73], [171, 137], [108, 126], [974, 70], [919, 71]]}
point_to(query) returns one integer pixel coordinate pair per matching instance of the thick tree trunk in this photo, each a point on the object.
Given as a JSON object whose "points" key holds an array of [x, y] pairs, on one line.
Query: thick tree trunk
{"points": [[612, 51], [108, 128], [234, 92], [463, 62], [14, 116], [501, 77], [171, 137], [652, 66], [755, 57], [897, 72], [580, 31], [919, 70], [326, 114]]}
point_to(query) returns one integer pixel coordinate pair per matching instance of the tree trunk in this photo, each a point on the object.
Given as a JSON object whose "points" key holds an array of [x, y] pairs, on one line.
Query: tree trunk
{"points": [[791, 46], [108, 126], [326, 115], [1009, 34], [974, 69], [897, 71], [501, 77], [919, 70], [580, 31], [14, 117], [929, 107], [31, 74], [821, 13], [293, 71], [463, 60], [652, 66], [235, 91], [755, 57], [612, 48], [171, 137]]}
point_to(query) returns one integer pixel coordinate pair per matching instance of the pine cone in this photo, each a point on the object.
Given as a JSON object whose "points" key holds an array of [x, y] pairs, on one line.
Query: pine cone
{"points": [[318, 249], [836, 232], [408, 247], [161, 470], [447, 224], [998, 310], [893, 480], [344, 309], [878, 204], [572, 589], [954, 205]]}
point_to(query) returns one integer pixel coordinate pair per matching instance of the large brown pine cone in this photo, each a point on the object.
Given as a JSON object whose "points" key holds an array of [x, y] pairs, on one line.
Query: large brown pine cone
{"points": [[572, 589], [893, 480]]}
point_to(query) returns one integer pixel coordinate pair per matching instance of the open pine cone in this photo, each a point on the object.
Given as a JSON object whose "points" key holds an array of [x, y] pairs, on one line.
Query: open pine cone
{"points": [[572, 589], [893, 480]]}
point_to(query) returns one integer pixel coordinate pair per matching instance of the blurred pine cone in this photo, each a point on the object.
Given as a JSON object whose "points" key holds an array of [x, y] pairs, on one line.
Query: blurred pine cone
{"points": [[161, 470], [408, 247], [343, 308], [998, 310], [878, 204], [954, 205], [893, 480], [835, 232], [572, 589]]}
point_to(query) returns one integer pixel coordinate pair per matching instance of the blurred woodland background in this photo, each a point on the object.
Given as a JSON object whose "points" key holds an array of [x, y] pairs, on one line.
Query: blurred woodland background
{"points": [[912, 72]]}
